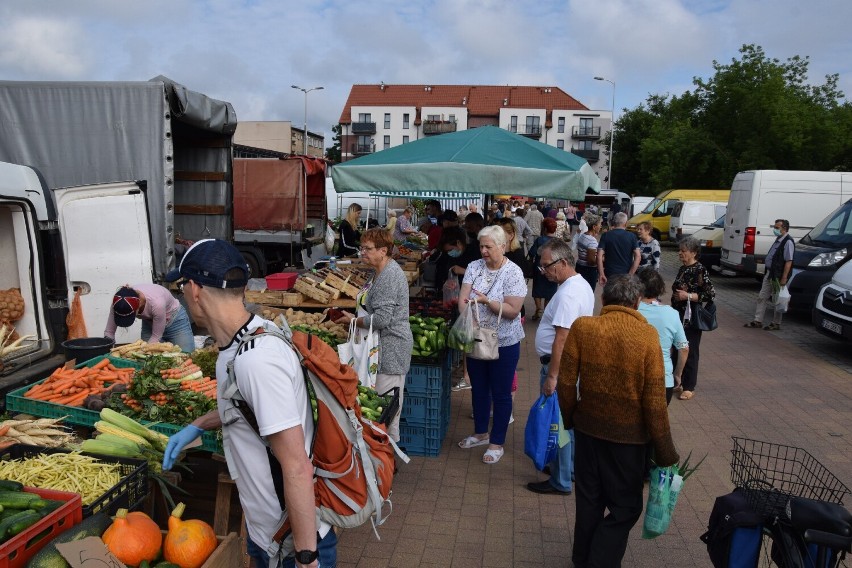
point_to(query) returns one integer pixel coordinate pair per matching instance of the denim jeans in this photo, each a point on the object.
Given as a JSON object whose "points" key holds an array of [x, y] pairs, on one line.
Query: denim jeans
{"points": [[491, 381], [562, 468], [327, 548], [178, 331]]}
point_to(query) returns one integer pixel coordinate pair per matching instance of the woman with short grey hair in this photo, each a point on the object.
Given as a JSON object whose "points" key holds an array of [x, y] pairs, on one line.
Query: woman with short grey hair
{"points": [[495, 287]]}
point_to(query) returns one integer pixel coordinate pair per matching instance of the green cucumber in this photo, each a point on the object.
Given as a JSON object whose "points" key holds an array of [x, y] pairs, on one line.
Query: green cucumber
{"points": [[21, 522], [8, 485], [49, 557], [19, 500]]}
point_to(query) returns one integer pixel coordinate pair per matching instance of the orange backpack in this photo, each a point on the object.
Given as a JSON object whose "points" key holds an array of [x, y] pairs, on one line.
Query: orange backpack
{"points": [[353, 457]]}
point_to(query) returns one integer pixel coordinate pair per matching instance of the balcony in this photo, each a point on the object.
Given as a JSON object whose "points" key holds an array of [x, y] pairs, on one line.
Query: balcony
{"points": [[530, 130], [363, 128], [590, 155], [361, 149], [438, 127], [586, 132]]}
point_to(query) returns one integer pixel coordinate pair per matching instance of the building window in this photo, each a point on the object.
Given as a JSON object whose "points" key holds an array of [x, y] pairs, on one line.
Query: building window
{"points": [[532, 125], [585, 145], [405, 139], [364, 145], [387, 121], [452, 118], [365, 117], [586, 128], [433, 117], [560, 144], [387, 142], [513, 124], [405, 121], [561, 124]]}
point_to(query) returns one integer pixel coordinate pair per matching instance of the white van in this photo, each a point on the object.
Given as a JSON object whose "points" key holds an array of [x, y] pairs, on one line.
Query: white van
{"points": [[690, 216], [759, 197]]}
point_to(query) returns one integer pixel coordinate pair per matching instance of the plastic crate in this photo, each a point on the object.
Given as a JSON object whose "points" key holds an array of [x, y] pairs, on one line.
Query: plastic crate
{"points": [[428, 381], [17, 551], [420, 440], [281, 280], [772, 473], [423, 410], [17, 402], [128, 493]]}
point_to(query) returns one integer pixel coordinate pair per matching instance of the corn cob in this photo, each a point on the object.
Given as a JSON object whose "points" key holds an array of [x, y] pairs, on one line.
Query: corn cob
{"points": [[105, 427], [157, 440], [111, 448], [122, 441]]}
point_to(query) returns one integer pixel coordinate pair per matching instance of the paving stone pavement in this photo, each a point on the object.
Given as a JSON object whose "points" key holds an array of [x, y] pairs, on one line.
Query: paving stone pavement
{"points": [[790, 387]]}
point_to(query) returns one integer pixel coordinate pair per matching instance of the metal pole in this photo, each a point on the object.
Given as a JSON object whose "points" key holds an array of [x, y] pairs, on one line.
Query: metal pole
{"points": [[306, 91], [611, 132]]}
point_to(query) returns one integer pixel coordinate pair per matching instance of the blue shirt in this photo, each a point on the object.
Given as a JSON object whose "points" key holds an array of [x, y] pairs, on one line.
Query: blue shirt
{"points": [[666, 320], [618, 246]]}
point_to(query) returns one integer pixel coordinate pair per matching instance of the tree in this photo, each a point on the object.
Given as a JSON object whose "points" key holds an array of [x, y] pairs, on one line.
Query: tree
{"points": [[754, 113], [333, 154]]}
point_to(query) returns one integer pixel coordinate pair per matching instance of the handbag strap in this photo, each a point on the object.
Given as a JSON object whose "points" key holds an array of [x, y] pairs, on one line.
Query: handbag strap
{"points": [[476, 313]]}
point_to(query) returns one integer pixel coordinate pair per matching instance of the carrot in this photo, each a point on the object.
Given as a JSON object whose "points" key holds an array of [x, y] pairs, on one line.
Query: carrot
{"points": [[101, 364]]}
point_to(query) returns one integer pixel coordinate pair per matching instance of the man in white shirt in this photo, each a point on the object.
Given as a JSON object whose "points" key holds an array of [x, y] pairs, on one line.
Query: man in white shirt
{"points": [[574, 298]]}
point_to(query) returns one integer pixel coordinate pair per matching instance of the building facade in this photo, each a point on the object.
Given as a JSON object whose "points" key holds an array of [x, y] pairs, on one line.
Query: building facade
{"points": [[278, 136], [381, 116]]}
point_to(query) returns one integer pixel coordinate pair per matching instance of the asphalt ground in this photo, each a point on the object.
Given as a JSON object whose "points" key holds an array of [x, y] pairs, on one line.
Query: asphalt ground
{"points": [[790, 387]]}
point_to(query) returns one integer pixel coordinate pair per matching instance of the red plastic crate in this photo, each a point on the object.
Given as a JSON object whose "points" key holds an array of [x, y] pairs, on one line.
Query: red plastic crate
{"points": [[281, 280], [17, 551]]}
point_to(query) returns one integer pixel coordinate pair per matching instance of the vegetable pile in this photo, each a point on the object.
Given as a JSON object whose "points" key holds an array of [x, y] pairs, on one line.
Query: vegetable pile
{"points": [[44, 432], [20, 510], [72, 472], [71, 387], [430, 335], [372, 403], [141, 349]]}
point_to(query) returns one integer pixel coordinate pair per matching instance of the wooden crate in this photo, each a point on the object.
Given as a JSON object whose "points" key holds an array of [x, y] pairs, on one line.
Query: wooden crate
{"points": [[266, 297], [340, 282], [316, 290]]}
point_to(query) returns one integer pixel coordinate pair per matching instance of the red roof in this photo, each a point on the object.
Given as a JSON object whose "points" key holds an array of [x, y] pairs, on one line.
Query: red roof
{"points": [[480, 100]]}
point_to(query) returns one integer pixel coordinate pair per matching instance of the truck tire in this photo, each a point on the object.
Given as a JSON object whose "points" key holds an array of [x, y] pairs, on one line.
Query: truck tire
{"points": [[256, 262]]}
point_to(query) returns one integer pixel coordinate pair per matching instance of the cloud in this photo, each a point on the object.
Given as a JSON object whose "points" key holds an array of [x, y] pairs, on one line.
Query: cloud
{"points": [[30, 47]]}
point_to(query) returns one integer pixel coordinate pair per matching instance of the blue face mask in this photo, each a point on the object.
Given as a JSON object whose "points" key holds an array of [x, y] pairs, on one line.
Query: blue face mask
{"points": [[454, 253], [777, 232]]}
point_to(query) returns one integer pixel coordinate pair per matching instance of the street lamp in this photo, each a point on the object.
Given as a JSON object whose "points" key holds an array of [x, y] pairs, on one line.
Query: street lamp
{"points": [[611, 132], [306, 91]]}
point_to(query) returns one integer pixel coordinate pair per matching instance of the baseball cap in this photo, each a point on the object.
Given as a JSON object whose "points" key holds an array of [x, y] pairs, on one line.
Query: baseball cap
{"points": [[208, 261], [125, 304]]}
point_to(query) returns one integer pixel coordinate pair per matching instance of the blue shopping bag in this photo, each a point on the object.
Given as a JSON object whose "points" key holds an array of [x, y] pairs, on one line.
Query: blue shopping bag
{"points": [[541, 436]]}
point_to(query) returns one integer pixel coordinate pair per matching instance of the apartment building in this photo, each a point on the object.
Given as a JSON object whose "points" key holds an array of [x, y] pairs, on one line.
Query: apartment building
{"points": [[381, 116], [278, 136]]}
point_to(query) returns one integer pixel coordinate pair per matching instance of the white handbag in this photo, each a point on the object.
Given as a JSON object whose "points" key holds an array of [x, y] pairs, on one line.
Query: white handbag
{"points": [[485, 340]]}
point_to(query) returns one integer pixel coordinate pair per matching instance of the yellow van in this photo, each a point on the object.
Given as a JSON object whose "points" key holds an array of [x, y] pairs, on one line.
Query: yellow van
{"points": [[659, 211]]}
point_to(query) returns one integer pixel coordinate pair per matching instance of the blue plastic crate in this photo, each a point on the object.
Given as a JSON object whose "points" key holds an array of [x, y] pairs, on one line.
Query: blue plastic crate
{"points": [[428, 381], [427, 411], [421, 441]]}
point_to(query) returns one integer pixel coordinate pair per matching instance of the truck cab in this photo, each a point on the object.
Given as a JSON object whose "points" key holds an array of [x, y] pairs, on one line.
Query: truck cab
{"points": [[53, 242]]}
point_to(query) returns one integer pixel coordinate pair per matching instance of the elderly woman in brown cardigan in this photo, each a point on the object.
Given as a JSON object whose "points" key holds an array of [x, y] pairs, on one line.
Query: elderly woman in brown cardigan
{"points": [[612, 392]]}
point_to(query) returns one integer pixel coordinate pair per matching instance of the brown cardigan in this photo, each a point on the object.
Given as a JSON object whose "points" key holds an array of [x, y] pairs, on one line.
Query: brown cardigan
{"points": [[618, 360]]}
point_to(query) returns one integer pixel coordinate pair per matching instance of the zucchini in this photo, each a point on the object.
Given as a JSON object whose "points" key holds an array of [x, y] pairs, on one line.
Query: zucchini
{"points": [[50, 505], [19, 500], [49, 557], [8, 485]]}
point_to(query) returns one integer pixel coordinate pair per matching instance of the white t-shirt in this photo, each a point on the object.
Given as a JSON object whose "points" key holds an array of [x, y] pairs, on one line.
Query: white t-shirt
{"points": [[496, 285], [270, 379], [574, 298]]}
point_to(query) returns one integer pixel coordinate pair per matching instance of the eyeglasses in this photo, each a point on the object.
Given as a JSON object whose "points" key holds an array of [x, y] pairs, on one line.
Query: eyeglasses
{"points": [[366, 249], [184, 282], [544, 268]]}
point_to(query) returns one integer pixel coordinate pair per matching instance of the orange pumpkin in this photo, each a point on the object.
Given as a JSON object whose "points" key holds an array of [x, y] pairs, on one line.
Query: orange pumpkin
{"points": [[188, 543], [133, 537]]}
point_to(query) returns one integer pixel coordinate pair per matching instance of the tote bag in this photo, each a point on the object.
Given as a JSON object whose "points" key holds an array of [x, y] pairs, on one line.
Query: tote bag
{"points": [[663, 490], [485, 345], [541, 435], [361, 352]]}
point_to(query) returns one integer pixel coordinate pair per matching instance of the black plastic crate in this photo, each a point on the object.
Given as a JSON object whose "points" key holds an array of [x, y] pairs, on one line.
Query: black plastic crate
{"points": [[129, 493], [772, 473]]}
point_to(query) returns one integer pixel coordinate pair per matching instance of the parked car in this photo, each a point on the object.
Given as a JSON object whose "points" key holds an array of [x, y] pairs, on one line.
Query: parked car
{"points": [[832, 313], [690, 216], [710, 238], [818, 256], [658, 212]]}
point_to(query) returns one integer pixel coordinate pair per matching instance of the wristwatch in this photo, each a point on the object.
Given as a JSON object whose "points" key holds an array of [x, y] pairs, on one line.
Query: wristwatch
{"points": [[306, 556]]}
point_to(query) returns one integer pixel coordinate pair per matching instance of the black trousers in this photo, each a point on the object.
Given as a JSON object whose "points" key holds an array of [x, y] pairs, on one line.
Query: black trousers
{"points": [[689, 379], [609, 476]]}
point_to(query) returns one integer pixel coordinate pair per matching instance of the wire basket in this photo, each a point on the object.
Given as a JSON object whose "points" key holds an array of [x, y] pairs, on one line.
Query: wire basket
{"points": [[772, 473]]}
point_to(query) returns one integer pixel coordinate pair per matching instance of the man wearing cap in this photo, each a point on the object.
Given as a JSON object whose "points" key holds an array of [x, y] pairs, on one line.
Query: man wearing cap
{"points": [[269, 377], [163, 318]]}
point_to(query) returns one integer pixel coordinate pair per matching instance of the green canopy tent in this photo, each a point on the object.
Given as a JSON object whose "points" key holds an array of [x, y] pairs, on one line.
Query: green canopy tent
{"points": [[486, 160]]}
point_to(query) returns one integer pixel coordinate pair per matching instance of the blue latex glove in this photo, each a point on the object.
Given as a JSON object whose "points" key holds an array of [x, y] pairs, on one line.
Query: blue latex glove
{"points": [[177, 443]]}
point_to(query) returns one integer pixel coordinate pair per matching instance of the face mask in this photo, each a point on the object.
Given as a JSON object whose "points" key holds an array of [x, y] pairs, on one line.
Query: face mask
{"points": [[454, 253], [777, 232]]}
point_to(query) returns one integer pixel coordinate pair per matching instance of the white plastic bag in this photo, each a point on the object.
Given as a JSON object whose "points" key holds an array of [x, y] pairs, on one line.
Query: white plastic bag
{"points": [[329, 238], [782, 301], [361, 352]]}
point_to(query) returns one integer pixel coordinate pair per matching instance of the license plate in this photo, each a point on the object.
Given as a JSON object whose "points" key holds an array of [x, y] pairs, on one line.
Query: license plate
{"points": [[831, 326], [724, 253]]}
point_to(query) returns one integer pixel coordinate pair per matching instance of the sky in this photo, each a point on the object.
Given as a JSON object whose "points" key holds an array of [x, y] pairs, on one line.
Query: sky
{"points": [[250, 52]]}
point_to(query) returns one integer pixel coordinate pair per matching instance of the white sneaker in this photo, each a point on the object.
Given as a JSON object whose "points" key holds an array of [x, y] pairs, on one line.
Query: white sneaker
{"points": [[461, 385], [511, 418]]}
